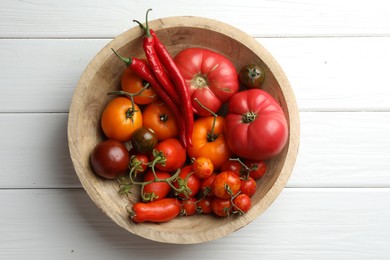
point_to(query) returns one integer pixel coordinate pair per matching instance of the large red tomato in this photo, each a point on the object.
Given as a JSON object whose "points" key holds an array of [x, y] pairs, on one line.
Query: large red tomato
{"points": [[255, 126], [209, 76]]}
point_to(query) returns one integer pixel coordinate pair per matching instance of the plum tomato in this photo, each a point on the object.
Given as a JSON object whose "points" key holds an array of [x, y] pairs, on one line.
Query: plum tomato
{"points": [[226, 185], [144, 140], [120, 118], [251, 76], [156, 211], [110, 159], [159, 117], [156, 190], [203, 167]]}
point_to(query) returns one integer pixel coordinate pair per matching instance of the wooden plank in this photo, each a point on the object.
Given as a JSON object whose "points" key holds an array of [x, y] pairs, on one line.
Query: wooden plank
{"points": [[89, 18], [301, 224], [349, 149], [334, 74]]}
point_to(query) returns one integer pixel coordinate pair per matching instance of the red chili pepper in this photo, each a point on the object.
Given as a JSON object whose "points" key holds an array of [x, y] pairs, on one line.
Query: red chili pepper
{"points": [[179, 82], [142, 69], [156, 211]]}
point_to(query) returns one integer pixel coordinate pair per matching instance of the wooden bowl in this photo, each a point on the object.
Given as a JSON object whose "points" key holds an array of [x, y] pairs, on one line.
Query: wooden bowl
{"points": [[103, 74]]}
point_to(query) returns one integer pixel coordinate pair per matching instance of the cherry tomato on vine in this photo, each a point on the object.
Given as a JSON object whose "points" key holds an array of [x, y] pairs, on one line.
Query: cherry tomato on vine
{"points": [[120, 118], [188, 207], [206, 185], [138, 161], [242, 203], [221, 207], [248, 186], [226, 185], [110, 159], [132, 83], [169, 155], [257, 168], [204, 206], [203, 167], [187, 178], [159, 117], [155, 190], [232, 166], [208, 143]]}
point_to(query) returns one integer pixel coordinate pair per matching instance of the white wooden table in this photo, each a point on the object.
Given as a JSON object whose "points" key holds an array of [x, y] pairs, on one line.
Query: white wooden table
{"points": [[337, 56]]}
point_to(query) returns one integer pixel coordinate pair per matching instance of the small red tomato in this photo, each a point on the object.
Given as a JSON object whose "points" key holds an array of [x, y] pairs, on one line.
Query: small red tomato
{"points": [[156, 190], [232, 166], [226, 185], [155, 211], [138, 163], [248, 186], [110, 159], [242, 203], [188, 207], [206, 185], [169, 154], [189, 180], [204, 206], [221, 207], [203, 167], [257, 168]]}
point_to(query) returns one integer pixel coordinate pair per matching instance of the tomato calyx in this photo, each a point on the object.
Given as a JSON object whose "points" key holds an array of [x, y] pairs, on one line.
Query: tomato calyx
{"points": [[199, 81], [249, 117]]}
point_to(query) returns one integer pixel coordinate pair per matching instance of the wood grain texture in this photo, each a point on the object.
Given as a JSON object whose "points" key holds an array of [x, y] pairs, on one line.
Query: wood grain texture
{"points": [[65, 224], [90, 18]]}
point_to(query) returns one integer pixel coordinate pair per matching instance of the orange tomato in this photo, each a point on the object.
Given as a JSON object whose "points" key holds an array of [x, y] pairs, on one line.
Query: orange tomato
{"points": [[159, 117], [119, 121], [132, 83], [206, 144]]}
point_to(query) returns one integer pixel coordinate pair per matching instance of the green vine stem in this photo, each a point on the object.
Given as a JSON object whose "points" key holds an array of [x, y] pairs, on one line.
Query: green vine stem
{"points": [[211, 136]]}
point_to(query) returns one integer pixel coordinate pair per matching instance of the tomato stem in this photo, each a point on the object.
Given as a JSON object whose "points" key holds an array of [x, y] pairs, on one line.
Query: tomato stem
{"points": [[249, 117], [247, 170], [210, 136]]}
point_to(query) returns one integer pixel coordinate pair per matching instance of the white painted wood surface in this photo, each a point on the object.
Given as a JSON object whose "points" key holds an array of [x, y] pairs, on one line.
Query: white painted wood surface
{"points": [[336, 55]]}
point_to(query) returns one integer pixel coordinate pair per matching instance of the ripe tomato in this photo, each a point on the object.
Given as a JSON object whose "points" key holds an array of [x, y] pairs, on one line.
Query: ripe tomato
{"points": [[144, 140], [156, 211], [119, 120], [221, 207], [203, 167], [256, 127], [156, 190], [251, 76], [210, 77], [169, 154], [204, 206], [257, 168], [206, 185], [138, 161], [242, 203], [226, 185], [132, 83], [206, 144], [248, 186], [159, 117], [188, 207], [110, 159], [232, 166], [186, 177]]}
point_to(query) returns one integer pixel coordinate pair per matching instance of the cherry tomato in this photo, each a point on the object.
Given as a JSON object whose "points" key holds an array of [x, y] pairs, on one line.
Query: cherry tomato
{"points": [[132, 83], [159, 117], [256, 127], [210, 77], [156, 211], [188, 207], [257, 168], [139, 162], [170, 155], [144, 140], [221, 207], [186, 177], [232, 166], [156, 190], [110, 159], [226, 185], [206, 143], [119, 120], [204, 206], [251, 76], [206, 185], [248, 186], [203, 167], [242, 203]]}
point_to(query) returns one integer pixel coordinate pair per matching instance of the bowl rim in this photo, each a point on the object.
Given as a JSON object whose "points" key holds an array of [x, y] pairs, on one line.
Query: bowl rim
{"points": [[281, 78]]}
